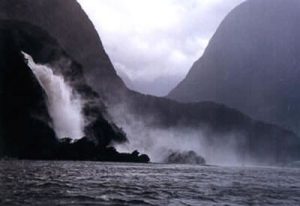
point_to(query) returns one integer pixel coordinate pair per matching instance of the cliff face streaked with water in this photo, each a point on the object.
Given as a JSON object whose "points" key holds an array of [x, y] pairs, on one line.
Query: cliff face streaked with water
{"points": [[71, 28], [26, 126]]}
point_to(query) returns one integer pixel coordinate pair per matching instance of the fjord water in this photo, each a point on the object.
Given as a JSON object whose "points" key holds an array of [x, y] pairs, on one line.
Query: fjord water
{"points": [[96, 183]]}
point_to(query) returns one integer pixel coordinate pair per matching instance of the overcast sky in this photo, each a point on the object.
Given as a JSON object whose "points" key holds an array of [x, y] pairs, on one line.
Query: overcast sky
{"points": [[153, 43]]}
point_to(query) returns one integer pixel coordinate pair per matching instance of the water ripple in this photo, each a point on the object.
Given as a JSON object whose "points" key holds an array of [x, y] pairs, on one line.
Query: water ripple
{"points": [[94, 183]]}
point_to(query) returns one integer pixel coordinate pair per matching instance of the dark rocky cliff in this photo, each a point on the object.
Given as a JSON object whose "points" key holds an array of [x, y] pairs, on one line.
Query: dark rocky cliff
{"points": [[252, 64], [45, 49], [71, 28], [26, 127], [24, 115]]}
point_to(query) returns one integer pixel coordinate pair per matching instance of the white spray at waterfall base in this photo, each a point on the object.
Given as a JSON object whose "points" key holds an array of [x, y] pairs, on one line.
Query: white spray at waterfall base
{"points": [[159, 142], [64, 105]]}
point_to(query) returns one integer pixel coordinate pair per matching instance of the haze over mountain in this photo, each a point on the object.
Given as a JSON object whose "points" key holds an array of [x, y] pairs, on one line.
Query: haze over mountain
{"points": [[153, 43], [252, 64], [59, 34]]}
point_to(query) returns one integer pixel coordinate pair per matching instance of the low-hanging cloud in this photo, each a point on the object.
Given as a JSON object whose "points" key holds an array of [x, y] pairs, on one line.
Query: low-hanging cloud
{"points": [[153, 43]]}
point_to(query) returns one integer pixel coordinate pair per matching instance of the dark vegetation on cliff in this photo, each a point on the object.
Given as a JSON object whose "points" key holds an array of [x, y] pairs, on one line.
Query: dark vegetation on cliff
{"points": [[25, 121]]}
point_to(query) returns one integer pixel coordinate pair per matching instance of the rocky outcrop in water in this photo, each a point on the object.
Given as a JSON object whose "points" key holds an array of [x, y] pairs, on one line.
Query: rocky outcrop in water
{"points": [[189, 157], [85, 149]]}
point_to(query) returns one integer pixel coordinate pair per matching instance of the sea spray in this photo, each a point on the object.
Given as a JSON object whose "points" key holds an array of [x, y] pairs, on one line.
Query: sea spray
{"points": [[64, 105], [159, 142]]}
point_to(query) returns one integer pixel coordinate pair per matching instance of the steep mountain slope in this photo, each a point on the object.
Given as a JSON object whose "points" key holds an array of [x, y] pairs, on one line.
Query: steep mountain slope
{"points": [[252, 64], [22, 106], [26, 126], [70, 26], [73, 46]]}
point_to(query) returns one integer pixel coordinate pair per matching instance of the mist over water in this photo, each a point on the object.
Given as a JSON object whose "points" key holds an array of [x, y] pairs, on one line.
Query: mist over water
{"points": [[159, 142], [64, 105]]}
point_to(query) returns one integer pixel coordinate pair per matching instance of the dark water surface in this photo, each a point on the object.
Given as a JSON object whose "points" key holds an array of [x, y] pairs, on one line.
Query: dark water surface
{"points": [[94, 183]]}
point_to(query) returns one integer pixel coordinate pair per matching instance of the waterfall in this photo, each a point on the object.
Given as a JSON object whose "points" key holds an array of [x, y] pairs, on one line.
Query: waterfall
{"points": [[64, 105]]}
